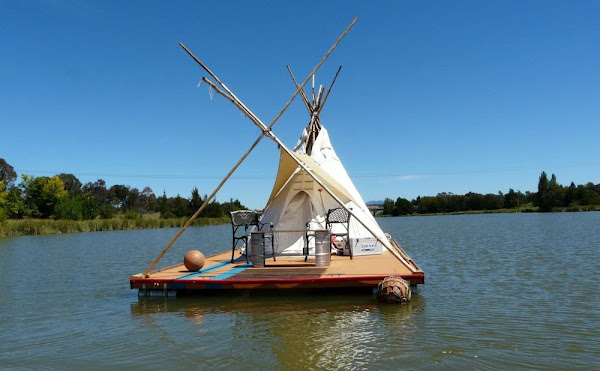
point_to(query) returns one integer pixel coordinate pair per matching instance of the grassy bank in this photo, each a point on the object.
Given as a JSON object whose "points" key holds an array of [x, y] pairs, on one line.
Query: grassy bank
{"points": [[524, 209], [34, 227]]}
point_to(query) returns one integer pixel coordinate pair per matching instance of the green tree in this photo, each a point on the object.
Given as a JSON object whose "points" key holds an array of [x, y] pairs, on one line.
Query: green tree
{"points": [[163, 206], [571, 195], [42, 194], [133, 201], [7, 173], [429, 205], [493, 202], [552, 182], [180, 206], [69, 208], [512, 199], [98, 191], [79, 207], [543, 183], [148, 200], [212, 210], [117, 195], [3, 193], [402, 207], [107, 211], [542, 190], [550, 193], [474, 201], [388, 206], [91, 209], [195, 201], [15, 206], [555, 197], [594, 193], [588, 194], [72, 184], [232, 205], [3, 201], [455, 203]]}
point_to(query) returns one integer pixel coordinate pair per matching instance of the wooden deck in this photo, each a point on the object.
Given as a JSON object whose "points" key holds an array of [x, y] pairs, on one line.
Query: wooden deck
{"points": [[219, 273]]}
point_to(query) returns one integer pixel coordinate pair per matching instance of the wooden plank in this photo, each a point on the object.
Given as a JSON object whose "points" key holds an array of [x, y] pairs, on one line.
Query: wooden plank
{"points": [[281, 273]]}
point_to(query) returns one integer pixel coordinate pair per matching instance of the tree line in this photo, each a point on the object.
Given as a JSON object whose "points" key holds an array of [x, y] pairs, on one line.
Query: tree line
{"points": [[63, 196], [550, 196]]}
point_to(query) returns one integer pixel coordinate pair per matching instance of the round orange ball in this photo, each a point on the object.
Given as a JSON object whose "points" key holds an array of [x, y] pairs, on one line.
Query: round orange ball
{"points": [[193, 260]]}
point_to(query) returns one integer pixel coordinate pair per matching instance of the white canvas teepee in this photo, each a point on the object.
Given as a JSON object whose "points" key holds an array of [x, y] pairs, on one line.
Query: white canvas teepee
{"points": [[297, 199]]}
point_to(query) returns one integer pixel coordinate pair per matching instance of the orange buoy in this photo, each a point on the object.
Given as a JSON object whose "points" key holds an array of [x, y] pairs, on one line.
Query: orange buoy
{"points": [[393, 290], [193, 260]]}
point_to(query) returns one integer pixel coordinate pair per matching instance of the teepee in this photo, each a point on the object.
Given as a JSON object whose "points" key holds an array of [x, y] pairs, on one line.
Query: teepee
{"points": [[297, 198]]}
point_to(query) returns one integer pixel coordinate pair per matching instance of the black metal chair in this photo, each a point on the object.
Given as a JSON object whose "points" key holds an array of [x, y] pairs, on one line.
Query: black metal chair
{"points": [[340, 216], [247, 219]]}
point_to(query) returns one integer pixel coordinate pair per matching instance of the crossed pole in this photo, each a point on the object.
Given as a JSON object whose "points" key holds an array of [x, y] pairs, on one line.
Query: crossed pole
{"points": [[314, 109]]}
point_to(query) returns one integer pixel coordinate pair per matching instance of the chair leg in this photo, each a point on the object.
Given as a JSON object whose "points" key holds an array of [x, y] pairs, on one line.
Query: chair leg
{"points": [[232, 249], [349, 247], [306, 249], [245, 240], [272, 247], [273, 250]]}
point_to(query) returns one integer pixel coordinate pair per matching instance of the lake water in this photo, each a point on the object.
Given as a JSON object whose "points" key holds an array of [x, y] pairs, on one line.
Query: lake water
{"points": [[502, 291]]}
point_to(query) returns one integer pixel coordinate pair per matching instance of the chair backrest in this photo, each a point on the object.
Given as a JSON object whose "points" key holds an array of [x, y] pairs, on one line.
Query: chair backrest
{"points": [[244, 217], [338, 215]]}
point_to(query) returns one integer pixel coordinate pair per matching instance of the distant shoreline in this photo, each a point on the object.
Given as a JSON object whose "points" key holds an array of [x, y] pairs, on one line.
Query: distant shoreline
{"points": [[37, 227], [506, 211]]}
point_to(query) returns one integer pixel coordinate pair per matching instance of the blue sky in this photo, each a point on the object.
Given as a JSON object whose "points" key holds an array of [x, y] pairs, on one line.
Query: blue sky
{"points": [[433, 96]]}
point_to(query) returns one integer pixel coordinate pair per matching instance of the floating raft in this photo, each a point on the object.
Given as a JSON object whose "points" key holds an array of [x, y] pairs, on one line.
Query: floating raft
{"points": [[287, 272]]}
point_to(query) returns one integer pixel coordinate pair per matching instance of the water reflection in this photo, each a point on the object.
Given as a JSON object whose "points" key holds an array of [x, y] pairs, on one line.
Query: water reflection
{"points": [[294, 330]]}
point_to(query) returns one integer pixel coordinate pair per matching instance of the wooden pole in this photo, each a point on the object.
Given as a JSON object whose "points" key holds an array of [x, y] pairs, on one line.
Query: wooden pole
{"points": [[330, 87], [317, 121], [208, 199], [319, 95], [314, 119], [313, 90], [302, 92]]}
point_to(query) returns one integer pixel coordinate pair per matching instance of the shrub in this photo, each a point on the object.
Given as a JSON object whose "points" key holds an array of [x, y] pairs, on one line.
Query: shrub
{"points": [[132, 215], [167, 215], [69, 208], [107, 212]]}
